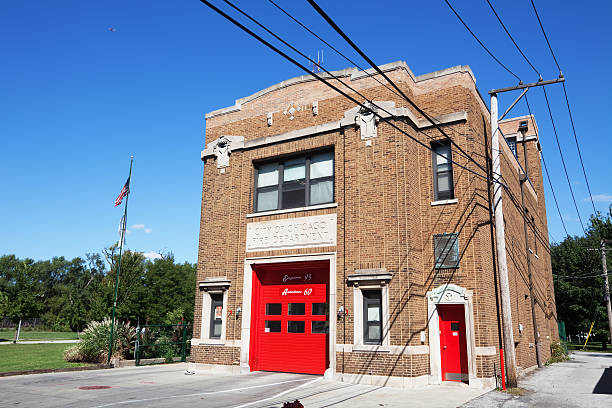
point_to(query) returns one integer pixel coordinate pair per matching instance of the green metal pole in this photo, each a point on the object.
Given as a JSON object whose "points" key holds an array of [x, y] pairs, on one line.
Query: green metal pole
{"points": [[184, 349], [110, 341]]}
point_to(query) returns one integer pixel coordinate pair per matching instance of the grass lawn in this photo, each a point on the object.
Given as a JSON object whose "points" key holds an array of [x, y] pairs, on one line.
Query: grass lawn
{"points": [[9, 335], [591, 346], [18, 357]]}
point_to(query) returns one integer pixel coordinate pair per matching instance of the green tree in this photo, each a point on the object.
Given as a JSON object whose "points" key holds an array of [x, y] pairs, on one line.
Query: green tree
{"points": [[578, 284]]}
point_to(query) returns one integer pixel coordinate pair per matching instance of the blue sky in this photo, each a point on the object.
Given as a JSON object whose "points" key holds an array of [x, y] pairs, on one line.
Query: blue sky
{"points": [[77, 99]]}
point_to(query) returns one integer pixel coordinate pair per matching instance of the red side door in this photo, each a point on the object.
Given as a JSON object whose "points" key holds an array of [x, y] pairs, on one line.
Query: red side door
{"points": [[453, 344], [290, 317]]}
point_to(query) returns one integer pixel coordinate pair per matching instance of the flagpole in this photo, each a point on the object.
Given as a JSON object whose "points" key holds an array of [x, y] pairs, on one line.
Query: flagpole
{"points": [[122, 238]]}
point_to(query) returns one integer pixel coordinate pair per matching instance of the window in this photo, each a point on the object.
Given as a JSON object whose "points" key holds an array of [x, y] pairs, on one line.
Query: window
{"points": [[512, 145], [319, 327], [273, 309], [446, 250], [296, 309], [216, 315], [296, 326], [372, 317], [319, 309], [442, 171], [273, 326], [295, 182]]}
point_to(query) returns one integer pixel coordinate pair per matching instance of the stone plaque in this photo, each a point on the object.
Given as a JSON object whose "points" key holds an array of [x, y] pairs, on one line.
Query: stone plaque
{"points": [[302, 232]]}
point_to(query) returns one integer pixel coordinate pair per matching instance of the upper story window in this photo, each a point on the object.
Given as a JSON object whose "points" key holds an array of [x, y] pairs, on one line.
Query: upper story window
{"points": [[512, 145], [442, 171], [295, 182], [446, 250]]}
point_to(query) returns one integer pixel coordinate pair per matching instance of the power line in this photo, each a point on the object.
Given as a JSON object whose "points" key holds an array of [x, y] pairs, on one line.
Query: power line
{"points": [[511, 38], [516, 76], [399, 94], [545, 36], [480, 42], [365, 57], [318, 77], [569, 110], [546, 171], [562, 159], [549, 111]]}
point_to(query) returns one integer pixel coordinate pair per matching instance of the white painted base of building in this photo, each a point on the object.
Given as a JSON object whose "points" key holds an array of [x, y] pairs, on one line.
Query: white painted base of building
{"points": [[216, 369], [384, 381]]}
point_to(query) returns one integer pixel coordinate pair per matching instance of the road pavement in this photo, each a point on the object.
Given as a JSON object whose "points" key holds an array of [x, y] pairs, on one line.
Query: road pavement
{"points": [[169, 386], [583, 381]]}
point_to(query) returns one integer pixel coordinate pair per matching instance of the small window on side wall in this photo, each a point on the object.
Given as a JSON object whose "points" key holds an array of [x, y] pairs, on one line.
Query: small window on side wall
{"points": [[446, 251], [372, 316], [442, 171], [216, 315]]}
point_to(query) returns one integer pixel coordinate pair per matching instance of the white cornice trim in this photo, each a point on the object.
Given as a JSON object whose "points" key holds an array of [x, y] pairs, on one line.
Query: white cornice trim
{"points": [[338, 124]]}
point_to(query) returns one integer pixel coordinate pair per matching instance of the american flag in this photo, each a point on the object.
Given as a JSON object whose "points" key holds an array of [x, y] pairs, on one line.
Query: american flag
{"points": [[124, 191]]}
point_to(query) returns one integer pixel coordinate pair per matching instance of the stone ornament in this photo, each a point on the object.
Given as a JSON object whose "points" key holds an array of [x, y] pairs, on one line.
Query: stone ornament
{"points": [[270, 119], [367, 121]]}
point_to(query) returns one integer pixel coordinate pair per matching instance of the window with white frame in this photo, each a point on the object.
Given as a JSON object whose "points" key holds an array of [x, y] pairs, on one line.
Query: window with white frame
{"points": [[446, 250], [442, 171], [372, 316], [216, 315], [371, 305], [214, 309], [298, 181]]}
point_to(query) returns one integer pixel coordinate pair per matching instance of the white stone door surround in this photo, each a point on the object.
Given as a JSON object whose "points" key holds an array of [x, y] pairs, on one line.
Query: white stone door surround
{"points": [[450, 294], [246, 305]]}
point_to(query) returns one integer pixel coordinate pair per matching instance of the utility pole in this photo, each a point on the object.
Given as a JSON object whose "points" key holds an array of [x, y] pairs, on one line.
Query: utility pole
{"points": [[504, 283], [500, 237], [606, 284], [523, 126]]}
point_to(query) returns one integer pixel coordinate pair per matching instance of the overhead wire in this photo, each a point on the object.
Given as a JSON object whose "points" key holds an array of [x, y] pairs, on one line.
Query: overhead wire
{"points": [[331, 22], [569, 110], [549, 111], [335, 88], [547, 173], [529, 108], [481, 43], [513, 41], [395, 92], [569, 184]]}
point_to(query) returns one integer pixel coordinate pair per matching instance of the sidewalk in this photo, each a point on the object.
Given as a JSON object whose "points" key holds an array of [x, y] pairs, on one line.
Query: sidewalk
{"points": [[583, 381]]}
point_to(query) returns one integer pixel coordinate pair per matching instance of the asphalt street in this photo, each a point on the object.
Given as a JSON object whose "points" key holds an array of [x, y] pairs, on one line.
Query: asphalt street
{"points": [[168, 386], [583, 381]]}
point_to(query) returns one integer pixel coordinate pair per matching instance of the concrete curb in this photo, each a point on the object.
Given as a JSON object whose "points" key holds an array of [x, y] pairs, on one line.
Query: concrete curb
{"points": [[55, 370]]}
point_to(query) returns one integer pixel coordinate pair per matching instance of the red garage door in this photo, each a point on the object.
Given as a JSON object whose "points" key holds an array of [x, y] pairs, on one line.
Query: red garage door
{"points": [[290, 317]]}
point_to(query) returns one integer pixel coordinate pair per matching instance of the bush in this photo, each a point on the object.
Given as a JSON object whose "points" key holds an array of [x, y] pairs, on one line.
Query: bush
{"points": [[558, 353], [93, 346]]}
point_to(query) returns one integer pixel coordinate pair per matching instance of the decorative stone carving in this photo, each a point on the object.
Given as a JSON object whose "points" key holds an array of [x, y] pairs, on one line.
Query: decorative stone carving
{"points": [[270, 119], [293, 107], [315, 108], [448, 294], [366, 120], [222, 148]]}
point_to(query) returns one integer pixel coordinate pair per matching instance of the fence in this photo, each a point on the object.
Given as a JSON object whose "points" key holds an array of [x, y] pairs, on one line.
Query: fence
{"points": [[169, 342]]}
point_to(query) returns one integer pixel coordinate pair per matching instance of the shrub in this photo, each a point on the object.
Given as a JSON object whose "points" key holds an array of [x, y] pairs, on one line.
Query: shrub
{"points": [[93, 346], [558, 353]]}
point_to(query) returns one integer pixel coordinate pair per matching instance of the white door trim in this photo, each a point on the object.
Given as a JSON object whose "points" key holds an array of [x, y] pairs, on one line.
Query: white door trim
{"points": [[246, 304], [450, 294]]}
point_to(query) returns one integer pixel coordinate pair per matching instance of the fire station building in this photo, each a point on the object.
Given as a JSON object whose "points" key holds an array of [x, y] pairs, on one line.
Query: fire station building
{"points": [[336, 242]]}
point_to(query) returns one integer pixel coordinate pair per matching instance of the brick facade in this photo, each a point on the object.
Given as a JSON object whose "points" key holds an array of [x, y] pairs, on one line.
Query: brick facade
{"points": [[385, 217]]}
